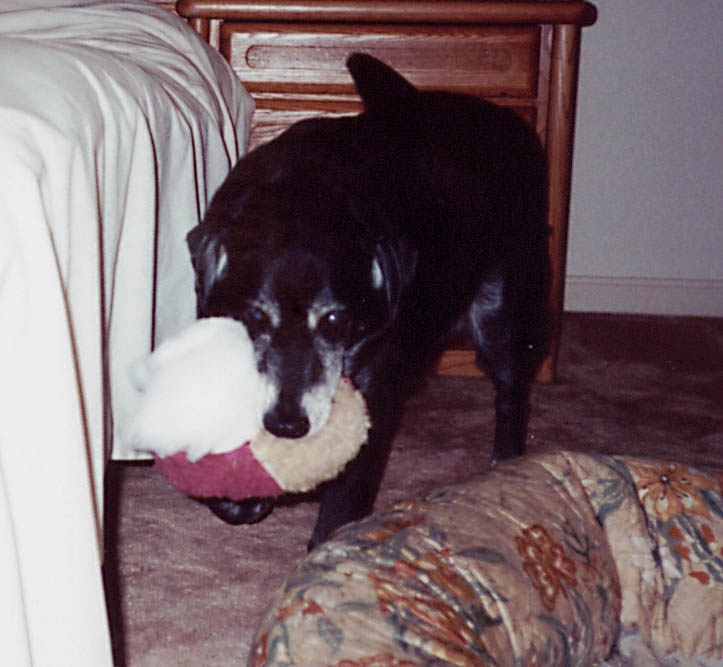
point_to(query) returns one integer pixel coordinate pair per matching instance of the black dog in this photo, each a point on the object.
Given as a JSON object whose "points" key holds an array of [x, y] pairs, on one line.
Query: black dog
{"points": [[352, 246]]}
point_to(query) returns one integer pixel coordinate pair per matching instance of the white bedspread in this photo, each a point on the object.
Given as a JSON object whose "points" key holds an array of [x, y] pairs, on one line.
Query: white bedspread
{"points": [[116, 126]]}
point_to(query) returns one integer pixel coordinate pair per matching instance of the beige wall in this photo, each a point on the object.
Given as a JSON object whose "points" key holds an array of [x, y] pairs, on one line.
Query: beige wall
{"points": [[646, 231]]}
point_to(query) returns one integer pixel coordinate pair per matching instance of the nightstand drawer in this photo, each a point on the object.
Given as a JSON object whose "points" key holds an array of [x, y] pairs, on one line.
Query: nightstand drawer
{"points": [[271, 119], [495, 61], [275, 114]]}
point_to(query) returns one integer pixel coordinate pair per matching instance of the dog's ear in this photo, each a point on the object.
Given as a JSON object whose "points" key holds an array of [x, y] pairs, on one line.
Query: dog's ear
{"points": [[193, 240], [382, 89], [392, 270], [209, 257]]}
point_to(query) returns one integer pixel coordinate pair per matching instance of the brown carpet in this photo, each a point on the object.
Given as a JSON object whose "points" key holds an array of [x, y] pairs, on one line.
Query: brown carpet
{"points": [[192, 589]]}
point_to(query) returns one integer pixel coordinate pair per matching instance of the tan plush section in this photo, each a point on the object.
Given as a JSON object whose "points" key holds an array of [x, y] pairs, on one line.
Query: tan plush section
{"points": [[299, 465], [664, 523], [510, 568]]}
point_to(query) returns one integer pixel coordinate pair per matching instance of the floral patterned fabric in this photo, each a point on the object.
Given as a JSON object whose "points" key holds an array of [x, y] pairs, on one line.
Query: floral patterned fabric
{"points": [[536, 562], [664, 522]]}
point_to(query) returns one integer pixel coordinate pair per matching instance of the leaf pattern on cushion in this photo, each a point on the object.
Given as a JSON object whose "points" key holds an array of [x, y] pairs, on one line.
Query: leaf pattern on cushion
{"points": [[432, 607], [545, 563]]}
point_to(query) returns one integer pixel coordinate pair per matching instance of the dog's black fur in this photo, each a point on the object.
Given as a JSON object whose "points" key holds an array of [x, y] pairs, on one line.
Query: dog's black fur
{"points": [[354, 245]]}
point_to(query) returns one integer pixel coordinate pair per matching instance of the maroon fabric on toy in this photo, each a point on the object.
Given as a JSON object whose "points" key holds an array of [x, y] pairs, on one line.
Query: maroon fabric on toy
{"points": [[235, 475]]}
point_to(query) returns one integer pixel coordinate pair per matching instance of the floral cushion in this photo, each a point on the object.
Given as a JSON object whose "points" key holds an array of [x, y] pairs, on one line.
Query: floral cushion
{"points": [[520, 566], [664, 522]]}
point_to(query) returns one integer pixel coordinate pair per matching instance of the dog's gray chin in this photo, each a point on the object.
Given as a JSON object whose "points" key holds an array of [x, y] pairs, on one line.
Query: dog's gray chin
{"points": [[317, 403], [318, 409]]}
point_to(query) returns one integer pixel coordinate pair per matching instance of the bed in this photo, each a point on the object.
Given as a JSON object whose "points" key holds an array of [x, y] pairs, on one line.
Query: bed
{"points": [[117, 123]]}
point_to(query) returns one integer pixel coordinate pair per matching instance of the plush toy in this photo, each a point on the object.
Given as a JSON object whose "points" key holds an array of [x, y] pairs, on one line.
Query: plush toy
{"points": [[200, 415]]}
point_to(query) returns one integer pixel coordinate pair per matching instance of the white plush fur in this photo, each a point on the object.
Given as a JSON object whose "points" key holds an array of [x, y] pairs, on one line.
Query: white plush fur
{"points": [[200, 392]]}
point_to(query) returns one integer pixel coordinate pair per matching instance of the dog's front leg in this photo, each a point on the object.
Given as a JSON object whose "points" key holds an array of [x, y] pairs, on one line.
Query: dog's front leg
{"points": [[511, 413], [351, 496]]}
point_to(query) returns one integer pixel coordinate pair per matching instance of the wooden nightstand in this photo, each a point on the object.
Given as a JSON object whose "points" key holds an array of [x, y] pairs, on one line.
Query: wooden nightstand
{"points": [[290, 54]]}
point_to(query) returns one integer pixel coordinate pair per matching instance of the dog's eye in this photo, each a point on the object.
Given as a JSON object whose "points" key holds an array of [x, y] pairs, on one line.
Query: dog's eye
{"points": [[256, 320], [333, 325]]}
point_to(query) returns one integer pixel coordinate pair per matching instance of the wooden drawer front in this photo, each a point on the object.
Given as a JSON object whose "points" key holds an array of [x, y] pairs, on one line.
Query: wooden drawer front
{"points": [[270, 122], [273, 116], [489, 61]]}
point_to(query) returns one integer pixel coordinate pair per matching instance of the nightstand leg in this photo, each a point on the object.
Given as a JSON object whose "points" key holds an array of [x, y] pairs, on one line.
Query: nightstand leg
{"points": [[559, 142]]}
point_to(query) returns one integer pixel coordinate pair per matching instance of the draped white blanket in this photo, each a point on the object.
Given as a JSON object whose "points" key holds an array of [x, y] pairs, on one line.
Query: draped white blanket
{"points": [[116, 125]]}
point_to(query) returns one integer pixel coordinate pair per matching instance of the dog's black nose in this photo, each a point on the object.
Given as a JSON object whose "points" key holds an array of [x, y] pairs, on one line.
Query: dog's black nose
{"points": [[286, 426]]}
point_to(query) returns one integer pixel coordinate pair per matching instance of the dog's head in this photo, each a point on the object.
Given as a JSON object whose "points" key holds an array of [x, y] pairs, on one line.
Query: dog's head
{"points": [[292, 247], [308, 311]]}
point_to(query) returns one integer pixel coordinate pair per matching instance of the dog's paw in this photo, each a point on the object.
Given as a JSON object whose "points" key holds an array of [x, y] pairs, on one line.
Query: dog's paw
{"points": [[237, 512]]}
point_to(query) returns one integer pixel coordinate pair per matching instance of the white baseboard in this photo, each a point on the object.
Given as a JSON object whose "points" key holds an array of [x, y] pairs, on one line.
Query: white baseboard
{"points": [[652, 296]]}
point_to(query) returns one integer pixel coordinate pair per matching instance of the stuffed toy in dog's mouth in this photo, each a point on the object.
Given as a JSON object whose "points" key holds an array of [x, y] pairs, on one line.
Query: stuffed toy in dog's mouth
{"points": [[200, 416]]}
